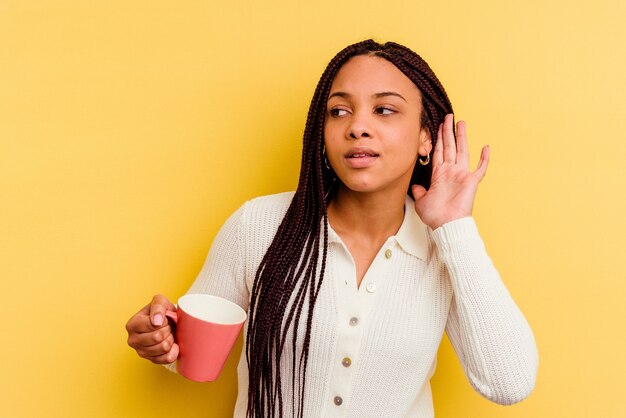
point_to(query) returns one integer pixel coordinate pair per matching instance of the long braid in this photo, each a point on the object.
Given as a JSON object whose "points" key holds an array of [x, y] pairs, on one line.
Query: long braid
{"points": [[291, 273]]}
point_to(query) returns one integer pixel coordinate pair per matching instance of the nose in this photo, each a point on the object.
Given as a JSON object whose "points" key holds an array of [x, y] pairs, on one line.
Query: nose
{"points": [[359, 128], [359, 133]]}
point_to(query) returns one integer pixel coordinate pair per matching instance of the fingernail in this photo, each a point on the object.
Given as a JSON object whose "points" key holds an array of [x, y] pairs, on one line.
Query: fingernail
{"points": [[157, 320]]}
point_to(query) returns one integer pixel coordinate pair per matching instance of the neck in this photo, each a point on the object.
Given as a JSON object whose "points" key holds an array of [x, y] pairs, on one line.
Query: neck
{"points": [[368, 215]]}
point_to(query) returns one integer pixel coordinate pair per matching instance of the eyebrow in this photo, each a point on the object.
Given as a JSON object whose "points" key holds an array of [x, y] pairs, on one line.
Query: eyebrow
{"points": [[375, 96]]}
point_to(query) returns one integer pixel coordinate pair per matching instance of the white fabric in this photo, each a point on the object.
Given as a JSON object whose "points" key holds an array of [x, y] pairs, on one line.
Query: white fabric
{"points": [[421, 283]]}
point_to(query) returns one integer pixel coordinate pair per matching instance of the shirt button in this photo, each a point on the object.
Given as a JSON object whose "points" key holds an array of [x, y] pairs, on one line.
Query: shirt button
{"points": [[388, 254], [354, 321], [346, 362], [371, 287], [337, 400]]}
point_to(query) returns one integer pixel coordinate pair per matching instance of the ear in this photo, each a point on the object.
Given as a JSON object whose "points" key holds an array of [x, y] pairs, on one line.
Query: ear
{"points": [[425, 142]]}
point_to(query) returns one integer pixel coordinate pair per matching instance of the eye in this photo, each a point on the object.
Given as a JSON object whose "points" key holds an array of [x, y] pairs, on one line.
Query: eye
{"points": [[336, 113], [385, 111]]}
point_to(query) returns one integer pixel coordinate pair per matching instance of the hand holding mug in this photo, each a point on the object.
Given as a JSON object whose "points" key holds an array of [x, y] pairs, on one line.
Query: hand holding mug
{"points": [[150, 333], [206, 329]]}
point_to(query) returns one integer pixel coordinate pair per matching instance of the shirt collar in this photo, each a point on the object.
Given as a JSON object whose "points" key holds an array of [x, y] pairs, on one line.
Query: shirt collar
{"points": [[412, 235]]}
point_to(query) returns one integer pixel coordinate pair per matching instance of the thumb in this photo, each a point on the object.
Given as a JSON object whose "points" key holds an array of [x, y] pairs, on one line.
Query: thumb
{"points": [[418, 192], [158, 306]]}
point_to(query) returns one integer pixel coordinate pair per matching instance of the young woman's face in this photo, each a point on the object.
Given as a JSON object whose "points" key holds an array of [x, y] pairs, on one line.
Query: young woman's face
{"points": [[372, 131]]}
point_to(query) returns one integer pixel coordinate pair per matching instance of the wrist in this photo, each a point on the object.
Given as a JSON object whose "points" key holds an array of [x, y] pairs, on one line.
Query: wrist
{"points": [[439, 222], [454, 232]]}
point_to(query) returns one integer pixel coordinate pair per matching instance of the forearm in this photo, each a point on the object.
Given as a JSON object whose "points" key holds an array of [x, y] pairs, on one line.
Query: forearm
{"points": [[490, 334]]}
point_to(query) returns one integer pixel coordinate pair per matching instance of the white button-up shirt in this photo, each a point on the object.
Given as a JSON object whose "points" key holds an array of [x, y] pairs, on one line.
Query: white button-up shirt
{"points": [[373, 348]]}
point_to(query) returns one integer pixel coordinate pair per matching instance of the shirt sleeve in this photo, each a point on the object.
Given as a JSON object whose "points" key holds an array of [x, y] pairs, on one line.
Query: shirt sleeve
{"points": [[488, 332], [223, 272]]}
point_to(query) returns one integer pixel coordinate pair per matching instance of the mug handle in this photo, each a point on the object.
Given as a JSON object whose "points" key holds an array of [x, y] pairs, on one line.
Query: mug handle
{"points": [[173, 315]]}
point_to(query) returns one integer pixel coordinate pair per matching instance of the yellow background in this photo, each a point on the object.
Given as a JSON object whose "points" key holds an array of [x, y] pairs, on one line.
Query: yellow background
{"points": [[130, 130]]}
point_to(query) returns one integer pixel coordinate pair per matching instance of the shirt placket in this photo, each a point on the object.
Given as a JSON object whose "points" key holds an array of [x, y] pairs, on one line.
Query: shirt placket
{"points": [[353, 309]]}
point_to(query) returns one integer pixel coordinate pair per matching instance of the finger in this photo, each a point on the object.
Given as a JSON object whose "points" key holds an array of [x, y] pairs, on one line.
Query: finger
{"points": [[140, 322], [157, 349], [167, 358], [418, 192], [449, 144], [158, 306], [438, 152], [481, 170], [148, 339], [462, 152]]}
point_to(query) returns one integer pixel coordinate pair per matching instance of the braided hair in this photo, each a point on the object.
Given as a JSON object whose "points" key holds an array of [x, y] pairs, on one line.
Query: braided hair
{"points": [[290, 275]]}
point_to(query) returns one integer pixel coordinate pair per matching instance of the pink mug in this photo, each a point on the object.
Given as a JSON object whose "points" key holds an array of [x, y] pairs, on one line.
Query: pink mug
{"points": [[206, 329]]}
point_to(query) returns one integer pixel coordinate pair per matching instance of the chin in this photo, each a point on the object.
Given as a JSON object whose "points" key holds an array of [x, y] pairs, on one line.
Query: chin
{"points": [[374, 184], [361, 186]]}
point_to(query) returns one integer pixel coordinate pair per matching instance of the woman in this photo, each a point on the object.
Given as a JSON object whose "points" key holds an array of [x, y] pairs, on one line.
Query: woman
{"points": [[349, 282]]}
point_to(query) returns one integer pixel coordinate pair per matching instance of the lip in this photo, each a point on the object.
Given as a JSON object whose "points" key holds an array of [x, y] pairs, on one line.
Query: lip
{"points": [[361, 157]]}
